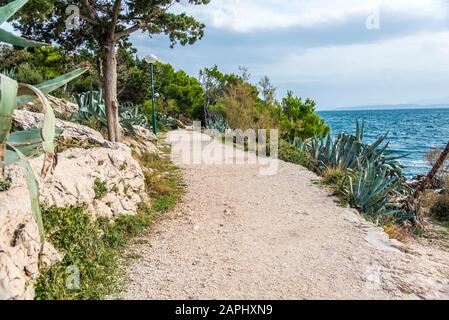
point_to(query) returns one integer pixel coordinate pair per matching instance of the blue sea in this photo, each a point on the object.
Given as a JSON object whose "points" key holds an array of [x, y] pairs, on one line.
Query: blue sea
{"points": [[412, 131]]}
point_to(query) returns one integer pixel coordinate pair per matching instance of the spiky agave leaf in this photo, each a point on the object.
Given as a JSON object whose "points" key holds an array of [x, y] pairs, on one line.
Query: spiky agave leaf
{"points": [[28, 142], [7, 12], [9, 37], [8, 93], [371, 188], [32, 185], [48, 131], [51, 85]]}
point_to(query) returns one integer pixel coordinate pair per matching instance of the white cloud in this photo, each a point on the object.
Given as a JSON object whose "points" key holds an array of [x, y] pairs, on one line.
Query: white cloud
{"points": [[249, 15], [389, 71], [421, 54]]}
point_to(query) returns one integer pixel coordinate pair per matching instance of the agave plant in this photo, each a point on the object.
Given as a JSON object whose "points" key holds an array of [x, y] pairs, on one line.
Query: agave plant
{"points": [[92, 105], [218, 123], [10, 73], [371, 187], [18, 146], [347, 151]]}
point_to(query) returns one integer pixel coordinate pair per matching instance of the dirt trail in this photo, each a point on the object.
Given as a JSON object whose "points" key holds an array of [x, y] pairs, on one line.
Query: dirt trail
{"points": [[241, 235]]}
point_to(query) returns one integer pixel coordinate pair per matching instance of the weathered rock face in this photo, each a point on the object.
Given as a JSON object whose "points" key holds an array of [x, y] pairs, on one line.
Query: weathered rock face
{"points": [[76, 177], [112, 168], [145, 134], [60, 106], [20, 246]]}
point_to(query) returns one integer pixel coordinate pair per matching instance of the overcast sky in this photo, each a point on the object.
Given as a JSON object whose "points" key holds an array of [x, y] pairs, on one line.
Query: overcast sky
{"points": [[322, 48]]}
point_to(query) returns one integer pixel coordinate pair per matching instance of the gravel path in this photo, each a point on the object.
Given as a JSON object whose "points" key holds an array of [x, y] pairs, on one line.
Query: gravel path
{"points": [[241, 235]]}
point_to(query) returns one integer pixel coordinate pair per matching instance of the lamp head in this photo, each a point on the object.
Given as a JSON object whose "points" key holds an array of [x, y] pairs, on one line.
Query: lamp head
{"points": [[151, 59]]}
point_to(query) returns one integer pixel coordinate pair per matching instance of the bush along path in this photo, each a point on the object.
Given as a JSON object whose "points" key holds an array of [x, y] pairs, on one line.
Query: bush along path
{"points": [[238, 234], [90, 268]]}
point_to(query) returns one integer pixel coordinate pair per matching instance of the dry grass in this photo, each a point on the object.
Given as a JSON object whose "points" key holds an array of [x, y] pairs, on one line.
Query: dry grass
{"points": [[397, 232]]}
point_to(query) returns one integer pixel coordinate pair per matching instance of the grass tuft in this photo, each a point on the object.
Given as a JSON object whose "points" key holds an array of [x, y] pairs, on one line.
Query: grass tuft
{"points": [[4, 185], [100, 189]]}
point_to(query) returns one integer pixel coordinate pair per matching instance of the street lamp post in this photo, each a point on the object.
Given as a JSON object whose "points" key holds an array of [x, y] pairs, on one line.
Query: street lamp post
{"points": [[151, 59]]}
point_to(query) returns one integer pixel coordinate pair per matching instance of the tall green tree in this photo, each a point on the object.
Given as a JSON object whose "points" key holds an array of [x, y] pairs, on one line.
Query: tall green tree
{"points": [[103, 25], [299, 119]]}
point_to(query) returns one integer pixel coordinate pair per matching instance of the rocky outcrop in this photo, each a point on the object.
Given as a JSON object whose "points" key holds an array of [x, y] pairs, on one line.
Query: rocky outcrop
{"points": [[143, 142], [25, 120], [104, 176], [74, 180], [145, 134], [78, 174], [61, 107], [20, 246]]}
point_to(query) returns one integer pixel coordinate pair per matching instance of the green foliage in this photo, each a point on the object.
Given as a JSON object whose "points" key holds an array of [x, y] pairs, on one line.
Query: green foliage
{"points": [[218, 123], [290, 153], [92, 112], [347, 151], [364, 175], [163, 181], [16, 146], [100, 189], [10, 73], [4, 185], [72, 231], [169, 122], [124, 228], [35, 65], [94, 246], [334, 176], [299, 120], [242, 108], [371, 188], [179, 94], [179, 27], [26, 73], [440, 207]]}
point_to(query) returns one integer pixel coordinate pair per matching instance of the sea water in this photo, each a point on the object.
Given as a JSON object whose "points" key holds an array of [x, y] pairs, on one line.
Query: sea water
{"points": [[412, 132]]}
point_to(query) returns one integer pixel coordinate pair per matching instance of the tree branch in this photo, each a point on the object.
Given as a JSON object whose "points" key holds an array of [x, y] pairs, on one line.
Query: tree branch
{"points": [[130, 30], [142, 24], [115, 14], [93, 17]]}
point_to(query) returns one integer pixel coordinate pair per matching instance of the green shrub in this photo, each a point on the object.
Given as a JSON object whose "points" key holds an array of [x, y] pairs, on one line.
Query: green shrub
{"points": [[100, 189], [4, 185], [72, 231], [299, 119], [440, 207], [124, 228], [289, 153]]}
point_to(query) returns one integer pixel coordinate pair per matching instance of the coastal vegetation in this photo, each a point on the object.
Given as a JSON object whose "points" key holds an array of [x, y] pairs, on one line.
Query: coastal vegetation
{"points": [[97, 69], [95, 246], [16, 146], [103, 29]]}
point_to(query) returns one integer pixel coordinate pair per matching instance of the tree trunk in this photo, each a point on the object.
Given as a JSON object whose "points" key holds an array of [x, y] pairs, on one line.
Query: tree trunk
{"points": [[432, 174], [413, 201], [110, 92]]}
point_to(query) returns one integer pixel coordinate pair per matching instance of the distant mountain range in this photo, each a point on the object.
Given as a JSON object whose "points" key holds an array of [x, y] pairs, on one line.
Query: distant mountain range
{"points": [[432, 103], [391, 107]]}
